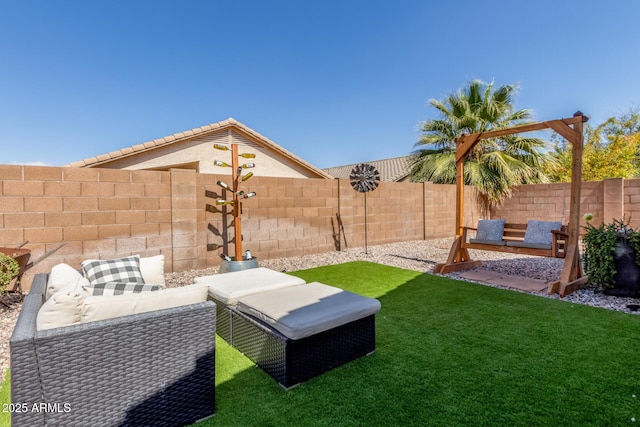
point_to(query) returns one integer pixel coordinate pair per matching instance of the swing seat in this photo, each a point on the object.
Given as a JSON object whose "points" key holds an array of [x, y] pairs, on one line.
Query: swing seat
{"points": [[563, 245], [516, 238]]}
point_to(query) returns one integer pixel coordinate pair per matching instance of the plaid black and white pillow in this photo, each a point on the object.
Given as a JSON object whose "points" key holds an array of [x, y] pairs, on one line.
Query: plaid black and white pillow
{"points": [[121, 270], [116, 288]]}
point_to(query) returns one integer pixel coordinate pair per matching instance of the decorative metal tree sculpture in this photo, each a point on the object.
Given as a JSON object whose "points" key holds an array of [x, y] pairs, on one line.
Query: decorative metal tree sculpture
{"points": [[238, 195], [364, 178]]}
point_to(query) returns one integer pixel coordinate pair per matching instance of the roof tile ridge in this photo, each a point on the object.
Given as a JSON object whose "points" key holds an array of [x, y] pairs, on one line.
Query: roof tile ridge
{"points": [[278, 148]]}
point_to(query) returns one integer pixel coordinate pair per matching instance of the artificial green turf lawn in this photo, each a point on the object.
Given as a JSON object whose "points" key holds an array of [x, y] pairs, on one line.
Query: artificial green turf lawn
{"points": [[451, 353], [5, 397]]}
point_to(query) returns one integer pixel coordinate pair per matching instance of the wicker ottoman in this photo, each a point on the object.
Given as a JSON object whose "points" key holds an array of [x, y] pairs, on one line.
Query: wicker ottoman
{"points": [[299, 332], [292, 330]]}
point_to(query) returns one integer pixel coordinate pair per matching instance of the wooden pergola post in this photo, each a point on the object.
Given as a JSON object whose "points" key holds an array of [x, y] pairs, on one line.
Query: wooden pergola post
{"points": [[572, 277], [571, 129], [459, 197]]}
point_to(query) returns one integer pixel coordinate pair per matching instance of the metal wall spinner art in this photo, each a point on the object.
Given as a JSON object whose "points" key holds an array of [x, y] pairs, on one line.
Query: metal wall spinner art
{"points": [[364, 178]]}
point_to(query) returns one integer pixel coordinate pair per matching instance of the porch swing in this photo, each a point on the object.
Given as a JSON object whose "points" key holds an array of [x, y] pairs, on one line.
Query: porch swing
{"points": [[564, 239]]}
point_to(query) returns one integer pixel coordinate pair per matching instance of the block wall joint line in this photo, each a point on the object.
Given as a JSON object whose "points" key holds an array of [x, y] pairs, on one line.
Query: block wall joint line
{"points": [[424, 210], [339, 219]]}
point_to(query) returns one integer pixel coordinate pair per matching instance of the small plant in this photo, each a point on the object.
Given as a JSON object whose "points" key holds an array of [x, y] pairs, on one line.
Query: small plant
{"points": [[9, 269], [602, 244]]}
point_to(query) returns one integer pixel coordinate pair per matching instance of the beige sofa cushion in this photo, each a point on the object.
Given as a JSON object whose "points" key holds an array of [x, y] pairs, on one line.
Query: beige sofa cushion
{"points": [[64, 307], [107, 307]]}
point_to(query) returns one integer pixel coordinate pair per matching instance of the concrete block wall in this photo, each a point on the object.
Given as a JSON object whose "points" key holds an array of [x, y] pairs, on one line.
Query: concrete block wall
{"points": [[394, 212], [108, 213], [186, 251], [97, 213], [609, 199], [440, 209], [295, 217], [547, 202], [631, 201], [289, 217]]}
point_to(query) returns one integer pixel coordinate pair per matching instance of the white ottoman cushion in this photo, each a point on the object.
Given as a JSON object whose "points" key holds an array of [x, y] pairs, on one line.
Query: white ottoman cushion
{"points": [[305, 310], [229, 287]]}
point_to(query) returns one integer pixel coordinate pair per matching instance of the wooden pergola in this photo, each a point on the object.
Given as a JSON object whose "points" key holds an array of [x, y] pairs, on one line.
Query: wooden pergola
{"points": [[572, 276]]}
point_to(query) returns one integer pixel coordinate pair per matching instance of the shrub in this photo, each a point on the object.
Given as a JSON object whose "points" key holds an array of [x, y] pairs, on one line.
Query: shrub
{"points": [[9, 269], [600, 246]]}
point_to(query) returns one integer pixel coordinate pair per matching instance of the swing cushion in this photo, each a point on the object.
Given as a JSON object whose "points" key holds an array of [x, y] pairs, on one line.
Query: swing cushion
{"points": [[517, 244], [488, 242], [539, 232], [490, 231]]}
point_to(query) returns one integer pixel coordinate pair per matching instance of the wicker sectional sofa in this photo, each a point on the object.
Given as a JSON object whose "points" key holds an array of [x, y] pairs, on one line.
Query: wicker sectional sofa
{"points": [[154, 368]]}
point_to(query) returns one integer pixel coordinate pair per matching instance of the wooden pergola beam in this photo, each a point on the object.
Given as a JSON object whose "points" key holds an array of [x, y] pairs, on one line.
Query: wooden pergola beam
{"points": [[467, 142], [570, 134]]}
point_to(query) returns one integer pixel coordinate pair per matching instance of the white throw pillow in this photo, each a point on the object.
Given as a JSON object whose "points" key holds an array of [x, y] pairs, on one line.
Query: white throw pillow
{"points": [[152, 269], [107, 307], [61, 275], [63, 308]]}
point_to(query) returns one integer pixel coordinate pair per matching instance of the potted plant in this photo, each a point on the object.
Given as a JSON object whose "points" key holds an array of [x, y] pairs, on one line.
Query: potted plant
{"points": [[9, 269], [611, 257]]}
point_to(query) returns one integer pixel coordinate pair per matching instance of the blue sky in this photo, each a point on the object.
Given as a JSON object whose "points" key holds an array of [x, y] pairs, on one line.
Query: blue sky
{"points": [[335, 82]]}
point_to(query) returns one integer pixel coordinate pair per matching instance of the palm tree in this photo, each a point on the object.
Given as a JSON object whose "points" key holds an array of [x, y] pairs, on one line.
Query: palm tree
{"points": [[494, 166]]}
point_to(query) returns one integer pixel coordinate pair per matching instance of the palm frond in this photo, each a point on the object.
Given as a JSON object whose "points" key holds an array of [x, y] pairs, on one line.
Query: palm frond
{"points": [[440, 107], [494, 166], [435, 167]]}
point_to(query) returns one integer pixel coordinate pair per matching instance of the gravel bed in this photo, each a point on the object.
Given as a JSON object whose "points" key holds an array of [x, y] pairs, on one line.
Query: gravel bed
{"points": [[420, 255], [8, 317]]}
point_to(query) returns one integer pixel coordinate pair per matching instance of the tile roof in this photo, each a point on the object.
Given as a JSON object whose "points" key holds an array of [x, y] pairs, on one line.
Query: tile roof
{"points": [[181, 136], [394, 169]]}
